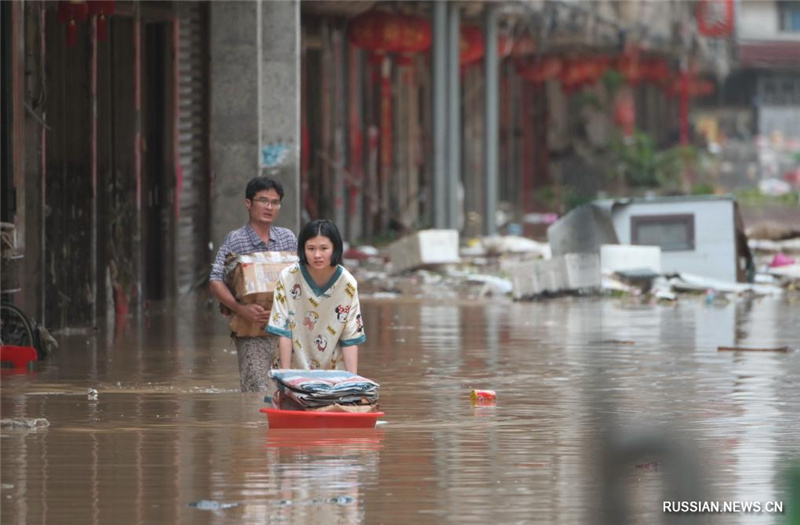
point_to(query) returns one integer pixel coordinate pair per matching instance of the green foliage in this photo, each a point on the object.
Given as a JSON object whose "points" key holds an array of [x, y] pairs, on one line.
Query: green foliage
{"points": [[612, 80], [547, 195], [702, 189], [754, 197], [573, 199], [589, 100], [385, 238], [642, 165]]}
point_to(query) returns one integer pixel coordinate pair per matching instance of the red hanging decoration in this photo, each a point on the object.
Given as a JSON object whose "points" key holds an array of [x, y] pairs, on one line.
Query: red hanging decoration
{"points": [[101, 9], [516, 47], [382, 32], [571, 75], [471, 45], [630, 67], [715, 17], [691, 85], [686, 86], [656, 70], [580, 72], [625, 111], [593, 69], [70, 12]]}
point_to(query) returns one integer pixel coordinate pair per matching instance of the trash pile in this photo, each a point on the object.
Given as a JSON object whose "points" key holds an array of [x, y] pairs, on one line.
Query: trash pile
{"points": [[776, 251], [324, 391], [524, 269]]}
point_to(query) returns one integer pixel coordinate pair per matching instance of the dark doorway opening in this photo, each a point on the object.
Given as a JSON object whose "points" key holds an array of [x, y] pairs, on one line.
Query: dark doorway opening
{"points": [[7, 193], [156, 187]]}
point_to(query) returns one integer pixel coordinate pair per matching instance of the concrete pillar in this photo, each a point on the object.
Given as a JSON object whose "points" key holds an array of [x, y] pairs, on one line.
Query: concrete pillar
{"points": [[440, 76], [491, 123], [32, 273], [453, 190], [255, 107]]}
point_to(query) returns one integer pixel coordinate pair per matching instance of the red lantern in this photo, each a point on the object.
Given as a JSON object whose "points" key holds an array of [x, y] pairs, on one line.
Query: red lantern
{"points": [[656, 70], [471, 45], [715, 17], [70, 12], [630, 67], [383, 32], [571, 75], [101, 9], [594, 69], [581, 72]]}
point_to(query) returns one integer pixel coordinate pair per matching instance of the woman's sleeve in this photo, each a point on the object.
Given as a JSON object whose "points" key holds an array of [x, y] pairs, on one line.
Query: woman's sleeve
{"points": [[353, 333], [279, 319]]}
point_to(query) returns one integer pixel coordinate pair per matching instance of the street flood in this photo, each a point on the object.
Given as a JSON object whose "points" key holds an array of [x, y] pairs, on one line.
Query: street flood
{"points": [[605, 407]]}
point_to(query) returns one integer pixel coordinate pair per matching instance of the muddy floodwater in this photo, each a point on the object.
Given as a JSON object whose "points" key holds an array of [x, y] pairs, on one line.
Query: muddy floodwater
{"points": [[605, 409]]}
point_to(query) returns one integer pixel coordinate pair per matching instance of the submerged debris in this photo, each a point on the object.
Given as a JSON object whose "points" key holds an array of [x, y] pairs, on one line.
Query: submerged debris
{"points": [[649, 466], [746, 349], [206, 504], [21, 422]]}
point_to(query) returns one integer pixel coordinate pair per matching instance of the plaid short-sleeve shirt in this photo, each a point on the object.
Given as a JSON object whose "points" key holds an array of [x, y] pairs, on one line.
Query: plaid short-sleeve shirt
{"points": [[245, 240]]}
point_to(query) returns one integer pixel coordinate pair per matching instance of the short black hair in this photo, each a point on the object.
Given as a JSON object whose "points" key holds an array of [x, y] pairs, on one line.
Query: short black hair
{"points": [[325, 228], [261, 183]]}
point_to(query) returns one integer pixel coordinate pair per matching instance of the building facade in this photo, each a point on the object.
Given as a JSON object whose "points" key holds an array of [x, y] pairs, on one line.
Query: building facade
{"points": [[129, 132]]}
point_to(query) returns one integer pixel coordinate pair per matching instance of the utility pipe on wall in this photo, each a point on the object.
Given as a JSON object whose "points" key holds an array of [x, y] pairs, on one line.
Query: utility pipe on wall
{"points": [[440, 76], [453, 189], [491, 126]]}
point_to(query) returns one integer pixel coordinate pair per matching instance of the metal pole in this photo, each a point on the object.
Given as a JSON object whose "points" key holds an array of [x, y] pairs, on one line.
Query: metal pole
{"points": [[138, 247], [491, 129], [93, 277], [338, 43], [454, 117], [440, 114]]}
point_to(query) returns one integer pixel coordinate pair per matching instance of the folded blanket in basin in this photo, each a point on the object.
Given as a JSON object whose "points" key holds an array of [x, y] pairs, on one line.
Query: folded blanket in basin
{"points": [[317, 388]]}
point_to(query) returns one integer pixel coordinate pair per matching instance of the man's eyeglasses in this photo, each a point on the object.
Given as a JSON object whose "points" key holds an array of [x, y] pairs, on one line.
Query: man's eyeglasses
{"points": [[268, 203]]}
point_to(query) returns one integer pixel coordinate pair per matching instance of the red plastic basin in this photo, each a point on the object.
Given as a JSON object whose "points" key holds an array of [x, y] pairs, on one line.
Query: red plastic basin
{"points": [[300, 419], [20, 356]]}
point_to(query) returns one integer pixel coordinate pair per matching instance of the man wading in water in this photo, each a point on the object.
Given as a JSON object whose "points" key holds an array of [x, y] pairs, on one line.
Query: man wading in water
{"points": [[257, 355]]}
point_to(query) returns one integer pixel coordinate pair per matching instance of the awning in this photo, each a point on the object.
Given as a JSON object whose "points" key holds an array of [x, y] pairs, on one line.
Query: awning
{"points": [[770, 55]]}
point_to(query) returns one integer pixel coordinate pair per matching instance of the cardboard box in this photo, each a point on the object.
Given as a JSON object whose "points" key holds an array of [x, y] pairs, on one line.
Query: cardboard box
{"points": [[252, 279], [255, 274], [423, 248], [244, 329]]}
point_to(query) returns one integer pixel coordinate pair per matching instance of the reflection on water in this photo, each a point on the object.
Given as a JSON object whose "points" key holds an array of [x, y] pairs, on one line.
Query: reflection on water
{"points": [[319, 473], [171, 440]]}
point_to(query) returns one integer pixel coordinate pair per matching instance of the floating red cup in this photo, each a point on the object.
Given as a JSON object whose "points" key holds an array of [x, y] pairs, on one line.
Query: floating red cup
{"points": [[483, 396]]}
